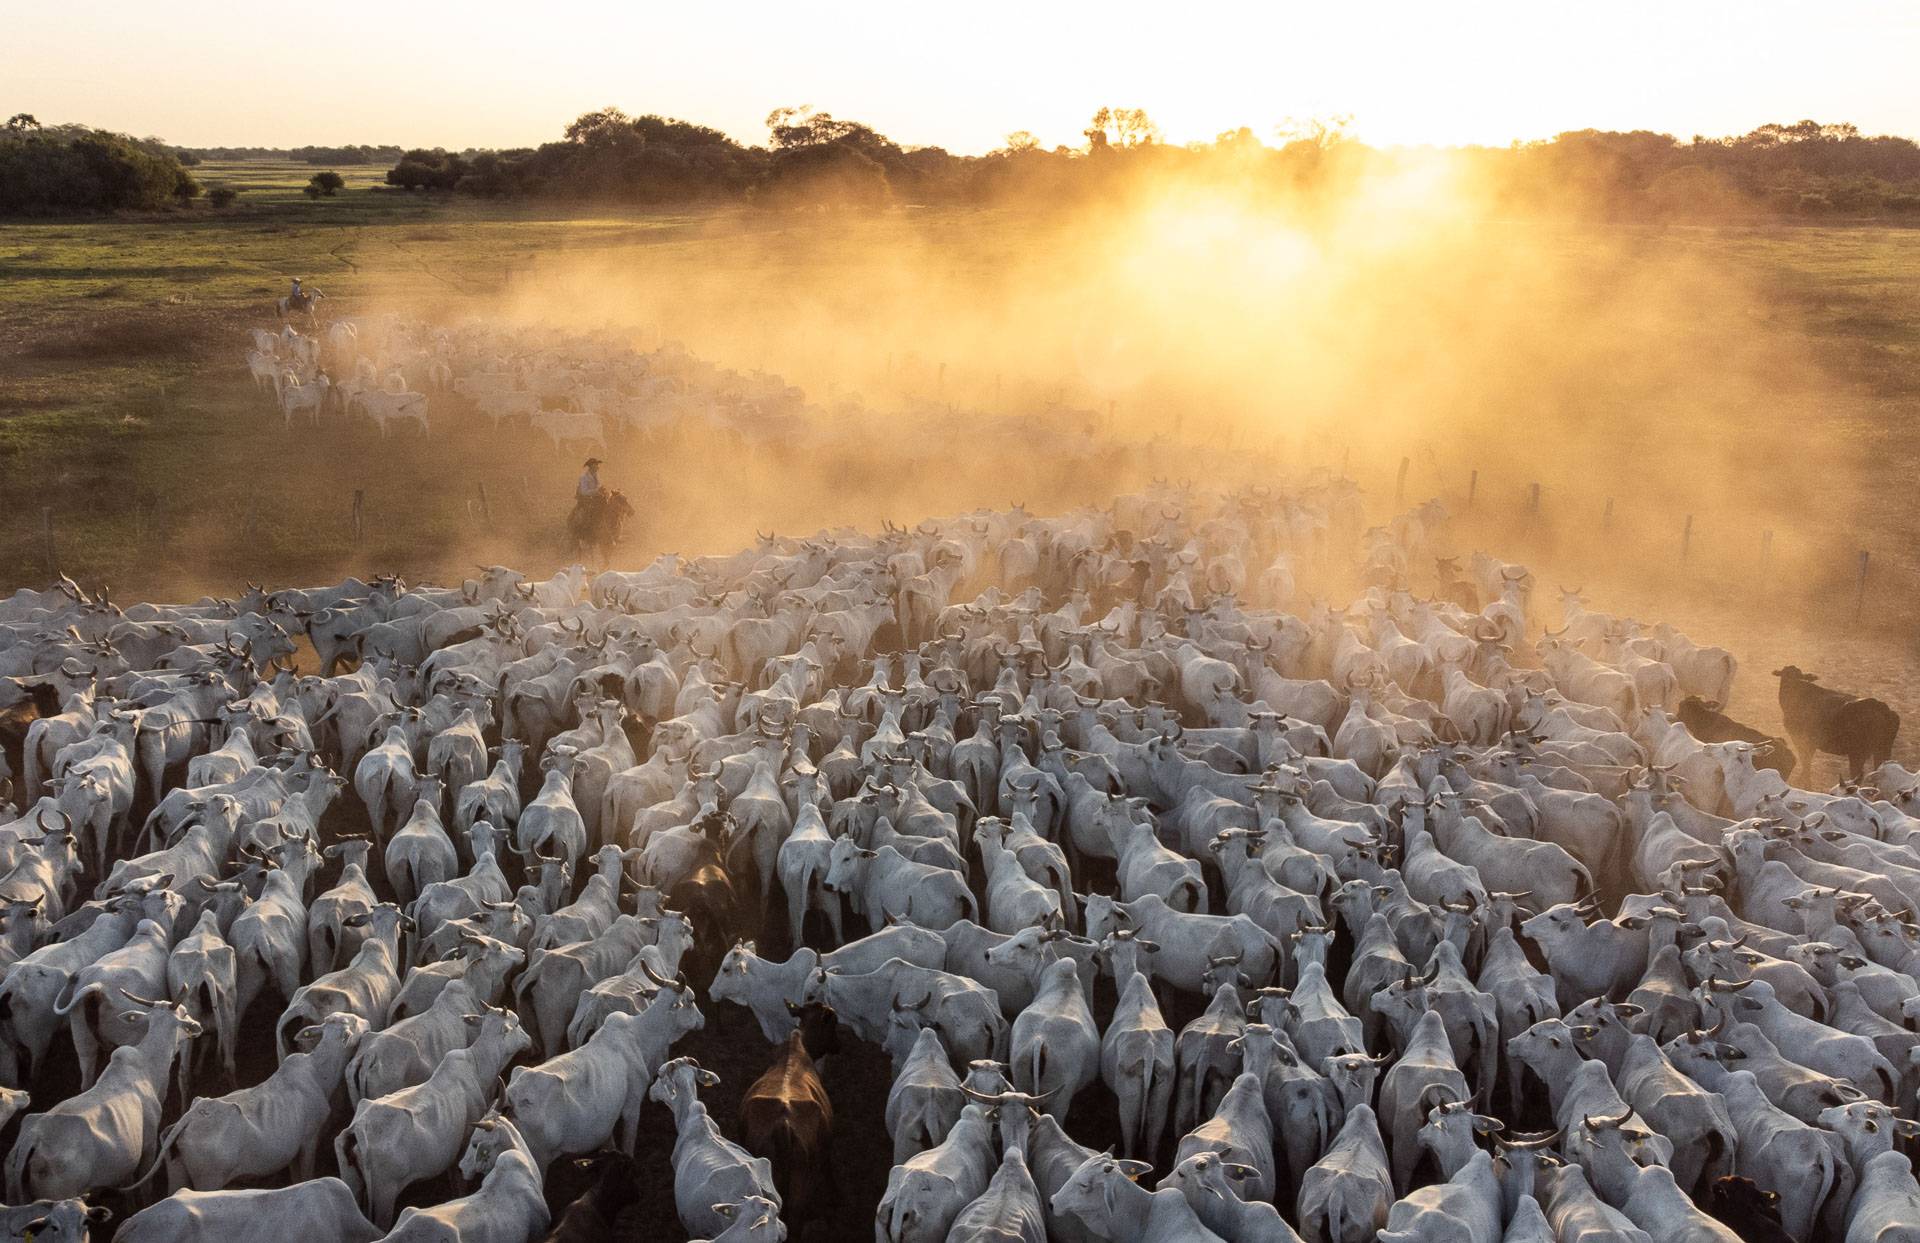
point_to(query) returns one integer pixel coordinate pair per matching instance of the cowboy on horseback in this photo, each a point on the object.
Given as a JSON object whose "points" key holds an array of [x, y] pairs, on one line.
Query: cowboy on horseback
{"points": [[300, 298], [598, 512], [588, 497]]}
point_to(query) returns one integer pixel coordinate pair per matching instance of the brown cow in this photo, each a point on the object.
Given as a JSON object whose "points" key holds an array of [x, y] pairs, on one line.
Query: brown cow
{"points": [[787, 1118]]}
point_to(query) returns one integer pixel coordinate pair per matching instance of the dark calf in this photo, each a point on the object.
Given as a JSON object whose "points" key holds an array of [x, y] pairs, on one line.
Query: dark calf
{"points": [[1706, 722], [1819, 719], [590, 1218], [1741, 1206]]}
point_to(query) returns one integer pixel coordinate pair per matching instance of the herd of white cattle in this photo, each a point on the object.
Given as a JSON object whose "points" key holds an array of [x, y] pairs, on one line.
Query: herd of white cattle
{"points": [[574, 389], [1427, 873]]}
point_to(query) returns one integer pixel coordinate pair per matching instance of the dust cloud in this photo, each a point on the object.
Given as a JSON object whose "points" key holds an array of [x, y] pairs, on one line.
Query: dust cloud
{"points": [[1224, 332]]}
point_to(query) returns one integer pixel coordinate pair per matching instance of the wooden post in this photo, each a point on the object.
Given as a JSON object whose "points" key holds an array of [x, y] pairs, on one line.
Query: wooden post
{"points": [[1860, 588], [1346, 455], [1766, 549], [1112, 406], [940, 385], [1473, 486], [1533, 500], [359, 522], [1400, 484], [996, 390], [486, 511], [46, 529], [1606, 519], [1686, 538]]}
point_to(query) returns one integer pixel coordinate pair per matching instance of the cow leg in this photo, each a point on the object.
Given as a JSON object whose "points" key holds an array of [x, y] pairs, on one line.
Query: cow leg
{"points": [[629, 1129], [85, 1046], [1804, 756], [303, 1161]]}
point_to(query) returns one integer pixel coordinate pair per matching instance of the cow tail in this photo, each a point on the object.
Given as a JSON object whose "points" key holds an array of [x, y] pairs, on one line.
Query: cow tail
{"points": [[30, 765], [1142, 1141], [1039, 1067], [783, 1154], [1716, 1153], [17, 1170], [160, 1151], [347, 1150]]}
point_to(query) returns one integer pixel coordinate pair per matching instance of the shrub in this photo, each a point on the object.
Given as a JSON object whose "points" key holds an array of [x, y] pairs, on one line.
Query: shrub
{"points": [[77, 170], [328, 183], [222, 196]]}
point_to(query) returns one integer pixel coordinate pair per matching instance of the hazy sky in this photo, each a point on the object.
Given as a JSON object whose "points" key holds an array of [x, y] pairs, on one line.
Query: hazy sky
{"points": [[962, 76]]}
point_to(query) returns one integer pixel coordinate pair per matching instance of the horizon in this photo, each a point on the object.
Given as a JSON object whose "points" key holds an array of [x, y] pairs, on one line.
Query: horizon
{"points": [[1406, 76]]}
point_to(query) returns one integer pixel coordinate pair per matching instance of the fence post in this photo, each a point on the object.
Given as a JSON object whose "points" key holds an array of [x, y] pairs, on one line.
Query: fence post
{"points": [[486, 511], [1533, 500], [1606, 519], [996, 390], [940, 385], [1473, 486], [46, 529], [1860, 588], [1346, 455], [1766, 549], [1686, 538], [1400, 484], [359, 525]]}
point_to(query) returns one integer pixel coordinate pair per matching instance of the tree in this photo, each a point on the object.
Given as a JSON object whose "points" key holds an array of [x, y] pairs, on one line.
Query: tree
{"points": [[792, 128], [328, 183], [1121, 127], [591, 125], [21, 122], [1022, 140], [1321, 132]]}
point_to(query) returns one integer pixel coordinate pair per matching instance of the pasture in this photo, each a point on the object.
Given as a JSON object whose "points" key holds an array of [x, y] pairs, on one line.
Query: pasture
{"points": [[1716, 465], [126, 411]]}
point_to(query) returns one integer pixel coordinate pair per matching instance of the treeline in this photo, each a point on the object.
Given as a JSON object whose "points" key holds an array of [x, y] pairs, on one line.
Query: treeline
{"points": [[68, 169], [1805, 168], [349, 155]]}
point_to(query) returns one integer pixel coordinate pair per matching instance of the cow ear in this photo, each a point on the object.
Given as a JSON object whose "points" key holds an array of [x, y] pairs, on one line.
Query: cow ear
{"points": [[724, 1210], [99, 1214], [708, 1078]]}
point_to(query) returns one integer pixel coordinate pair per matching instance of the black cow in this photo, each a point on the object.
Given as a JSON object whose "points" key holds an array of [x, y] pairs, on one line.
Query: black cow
{"points": [[591, 1218], [1741, 1206], [1819, 719], [708, 897], [1706, 722]]}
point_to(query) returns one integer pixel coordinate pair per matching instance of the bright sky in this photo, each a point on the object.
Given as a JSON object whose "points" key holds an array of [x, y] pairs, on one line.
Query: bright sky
{"points": [[482, 73]]}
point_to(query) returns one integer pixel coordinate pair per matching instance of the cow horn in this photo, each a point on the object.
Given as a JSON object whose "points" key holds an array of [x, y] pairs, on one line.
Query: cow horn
{"points": [[653, 975]]}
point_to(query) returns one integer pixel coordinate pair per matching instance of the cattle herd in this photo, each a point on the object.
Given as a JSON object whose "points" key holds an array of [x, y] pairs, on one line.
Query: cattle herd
{"points": [[575, 389], [1456, 913]]}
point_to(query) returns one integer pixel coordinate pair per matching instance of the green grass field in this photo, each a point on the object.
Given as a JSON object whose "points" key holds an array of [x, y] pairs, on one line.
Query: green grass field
{"points": [[127, 416]]}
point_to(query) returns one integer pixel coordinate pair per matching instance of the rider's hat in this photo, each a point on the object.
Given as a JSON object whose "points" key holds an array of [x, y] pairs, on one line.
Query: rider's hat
{"points": [[593, 461]]}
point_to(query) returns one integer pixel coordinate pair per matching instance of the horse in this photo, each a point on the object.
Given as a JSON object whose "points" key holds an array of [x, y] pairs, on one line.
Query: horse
{"points": [[599, 526], [308, 301]]}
